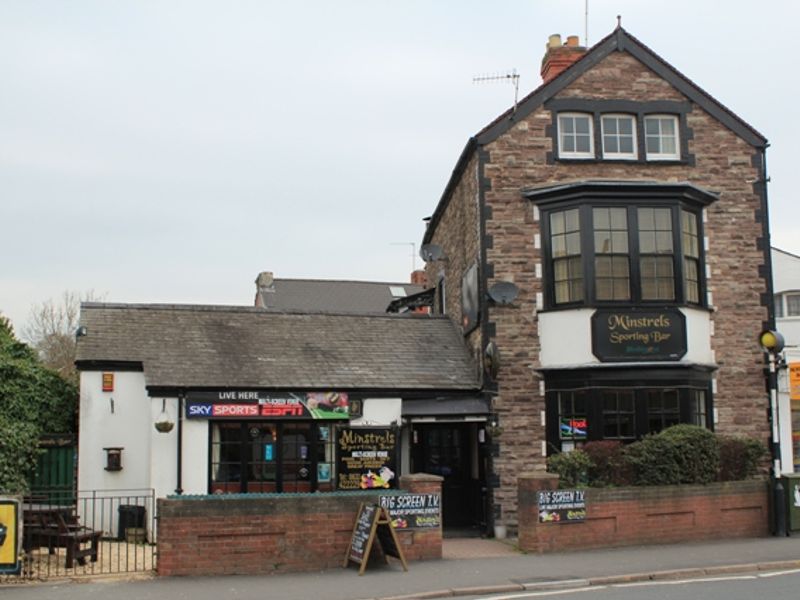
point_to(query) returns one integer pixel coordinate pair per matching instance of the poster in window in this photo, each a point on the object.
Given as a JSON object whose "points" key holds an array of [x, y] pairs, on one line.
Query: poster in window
{"points": [[469, 299], [366, 458], [573, 428], [794, 380]]}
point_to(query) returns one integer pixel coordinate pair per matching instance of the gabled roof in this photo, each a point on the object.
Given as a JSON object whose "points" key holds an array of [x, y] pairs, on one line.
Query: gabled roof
{"points": [[618, 40], [243, 347], [334, 296]]}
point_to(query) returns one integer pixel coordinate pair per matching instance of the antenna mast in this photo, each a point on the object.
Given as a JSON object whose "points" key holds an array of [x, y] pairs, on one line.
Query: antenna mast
{"points": [[586, 23], [511, 76]]}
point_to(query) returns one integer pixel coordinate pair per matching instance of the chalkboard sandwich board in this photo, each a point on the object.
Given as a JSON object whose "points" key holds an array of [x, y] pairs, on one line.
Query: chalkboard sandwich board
{"points": [[372, 522]]}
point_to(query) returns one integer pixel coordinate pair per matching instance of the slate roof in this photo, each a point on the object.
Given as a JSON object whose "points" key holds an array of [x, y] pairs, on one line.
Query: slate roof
{"points": [[332, 295], [244, 347]]}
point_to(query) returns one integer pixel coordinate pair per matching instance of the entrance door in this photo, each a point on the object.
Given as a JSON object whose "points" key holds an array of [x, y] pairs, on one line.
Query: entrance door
{"points": [[451, 451]]}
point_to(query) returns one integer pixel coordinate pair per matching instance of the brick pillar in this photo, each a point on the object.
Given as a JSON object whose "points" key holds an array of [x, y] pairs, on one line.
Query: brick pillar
{"points": [[422, 544], [528, 507]]}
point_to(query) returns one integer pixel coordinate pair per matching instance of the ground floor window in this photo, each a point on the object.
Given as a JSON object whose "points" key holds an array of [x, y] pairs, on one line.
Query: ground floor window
{"points": [[271, 456], [584, 406]]}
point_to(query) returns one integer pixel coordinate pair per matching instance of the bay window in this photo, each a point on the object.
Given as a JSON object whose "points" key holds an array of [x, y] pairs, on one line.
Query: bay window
{"points": [[622, 243]]}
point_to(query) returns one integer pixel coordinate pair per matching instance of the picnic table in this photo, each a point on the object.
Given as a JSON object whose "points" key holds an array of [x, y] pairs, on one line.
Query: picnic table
{"points": [[57, 526]]}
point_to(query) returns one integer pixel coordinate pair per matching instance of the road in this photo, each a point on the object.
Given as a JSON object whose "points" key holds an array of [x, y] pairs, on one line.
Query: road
{"points": [[778, 585]]}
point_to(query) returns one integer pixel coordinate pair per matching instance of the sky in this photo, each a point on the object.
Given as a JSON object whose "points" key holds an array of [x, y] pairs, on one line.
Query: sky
{"points": [[168, 151]]}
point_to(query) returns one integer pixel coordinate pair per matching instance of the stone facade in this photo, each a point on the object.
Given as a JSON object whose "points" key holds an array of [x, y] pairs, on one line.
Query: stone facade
{"points": [[507, 243]]}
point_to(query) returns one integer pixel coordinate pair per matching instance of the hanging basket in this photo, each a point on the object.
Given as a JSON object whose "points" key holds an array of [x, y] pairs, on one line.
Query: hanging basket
{"points": [[164, 426]]}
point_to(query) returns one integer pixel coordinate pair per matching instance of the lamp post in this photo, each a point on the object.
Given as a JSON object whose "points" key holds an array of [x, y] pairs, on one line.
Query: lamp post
{"points": [[772, 343]]}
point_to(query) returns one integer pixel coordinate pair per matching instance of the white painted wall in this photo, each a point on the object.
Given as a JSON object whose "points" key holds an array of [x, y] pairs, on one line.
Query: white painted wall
{"points": [[380, 411], [566, 338], [127, 425]]}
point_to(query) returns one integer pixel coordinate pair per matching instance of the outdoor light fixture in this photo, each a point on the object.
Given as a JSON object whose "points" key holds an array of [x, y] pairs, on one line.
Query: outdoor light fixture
{"points": [[163, 424], [772, 343]]}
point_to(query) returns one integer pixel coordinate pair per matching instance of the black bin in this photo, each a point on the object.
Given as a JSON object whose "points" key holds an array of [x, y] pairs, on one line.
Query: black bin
{"points": [[130, 515]]}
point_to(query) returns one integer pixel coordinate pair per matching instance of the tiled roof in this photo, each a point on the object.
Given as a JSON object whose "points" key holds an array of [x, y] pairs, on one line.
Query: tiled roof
{"points": [[333, 296], [215, 346]]}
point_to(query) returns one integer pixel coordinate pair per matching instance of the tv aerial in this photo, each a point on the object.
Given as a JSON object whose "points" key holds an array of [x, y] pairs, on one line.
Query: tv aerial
{"points": [[511, 76]]}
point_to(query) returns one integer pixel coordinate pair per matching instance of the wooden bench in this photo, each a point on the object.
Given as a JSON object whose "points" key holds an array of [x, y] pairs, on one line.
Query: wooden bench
{"points": [[52, 528]]}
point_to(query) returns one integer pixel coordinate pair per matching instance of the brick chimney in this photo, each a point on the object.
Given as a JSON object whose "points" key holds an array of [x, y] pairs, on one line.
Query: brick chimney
{"points": [[558, 57], [419, 277]]}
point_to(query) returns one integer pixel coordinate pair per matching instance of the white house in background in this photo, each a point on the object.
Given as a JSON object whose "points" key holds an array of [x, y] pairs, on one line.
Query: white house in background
{"points": [[786, 288]]}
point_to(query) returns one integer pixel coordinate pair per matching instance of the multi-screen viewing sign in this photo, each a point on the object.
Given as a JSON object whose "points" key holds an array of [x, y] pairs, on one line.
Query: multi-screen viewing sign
{"points": [[620, 335]]}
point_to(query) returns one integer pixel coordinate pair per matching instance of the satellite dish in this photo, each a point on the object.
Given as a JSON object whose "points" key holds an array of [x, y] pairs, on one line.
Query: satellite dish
{"points": [[431, 252], [503, 292]]}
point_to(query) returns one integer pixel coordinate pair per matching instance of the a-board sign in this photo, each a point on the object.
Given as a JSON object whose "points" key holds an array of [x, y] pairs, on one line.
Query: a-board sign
{"points": [[366, 458], [10, 535], [561, 506], [372, 522], [413, 511]]}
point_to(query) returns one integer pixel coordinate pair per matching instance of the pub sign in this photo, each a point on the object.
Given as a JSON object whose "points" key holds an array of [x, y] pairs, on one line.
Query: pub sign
{"points": [[620, 335], [366, 458]]}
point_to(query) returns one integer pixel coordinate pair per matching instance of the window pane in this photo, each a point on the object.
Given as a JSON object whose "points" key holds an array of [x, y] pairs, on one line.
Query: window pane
{"points": [[619, 242], [647, 219], [779, 306], [573, 243], [619, 218], [572, 219], [663, 219], [582, 144], [626, 145], [610, 144], [667, 126], [651, 126], [626, 126], [664, 242], [582, 125], [568, 144], [668, 145], [557, 222], [566, 124], [609, 125], [792, 305]]}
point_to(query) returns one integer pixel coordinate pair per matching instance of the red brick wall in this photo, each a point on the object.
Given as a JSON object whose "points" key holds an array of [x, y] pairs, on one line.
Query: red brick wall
{"points": [[653, 515], [218, 535]]}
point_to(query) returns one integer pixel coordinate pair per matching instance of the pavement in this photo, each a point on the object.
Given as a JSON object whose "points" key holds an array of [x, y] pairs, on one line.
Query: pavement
{"points": [[471, 566]]}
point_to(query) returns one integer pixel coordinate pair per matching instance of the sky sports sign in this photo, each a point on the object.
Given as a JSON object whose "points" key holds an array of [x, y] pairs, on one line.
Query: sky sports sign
{"points": [[247, 404]]}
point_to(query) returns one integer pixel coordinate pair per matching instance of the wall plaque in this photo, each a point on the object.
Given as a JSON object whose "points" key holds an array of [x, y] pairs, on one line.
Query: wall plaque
{"points": [[625, 335]]}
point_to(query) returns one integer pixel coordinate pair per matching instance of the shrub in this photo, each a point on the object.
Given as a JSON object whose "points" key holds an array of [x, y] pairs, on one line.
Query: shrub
{"points": [[696, 451], [739, 457], [571, 467], [608, 465], [652, 461]]}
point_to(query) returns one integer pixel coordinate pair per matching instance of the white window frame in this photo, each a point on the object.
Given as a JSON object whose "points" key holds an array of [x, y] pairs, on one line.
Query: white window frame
{"points": [[787, 314], [663, 155], [634, 139], [575, 154]]}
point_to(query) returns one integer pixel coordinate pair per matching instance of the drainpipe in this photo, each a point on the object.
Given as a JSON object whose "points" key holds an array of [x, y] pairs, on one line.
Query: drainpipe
{"points": [[179, 488]]}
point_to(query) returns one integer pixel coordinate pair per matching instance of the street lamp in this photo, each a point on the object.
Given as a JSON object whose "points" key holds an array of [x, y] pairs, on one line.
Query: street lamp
{"points": [[772, 343]]}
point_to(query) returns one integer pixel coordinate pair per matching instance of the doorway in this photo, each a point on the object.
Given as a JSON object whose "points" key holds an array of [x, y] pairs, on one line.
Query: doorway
{"points": [[454, 452]]}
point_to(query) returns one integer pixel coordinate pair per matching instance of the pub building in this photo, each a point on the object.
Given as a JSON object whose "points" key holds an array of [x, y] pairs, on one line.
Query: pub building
{"points": [[603, 246], [219, 400]]}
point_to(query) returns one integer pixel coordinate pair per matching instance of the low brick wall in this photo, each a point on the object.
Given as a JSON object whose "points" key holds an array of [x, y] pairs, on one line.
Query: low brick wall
{"points": [[645, 515], [262, 534]]}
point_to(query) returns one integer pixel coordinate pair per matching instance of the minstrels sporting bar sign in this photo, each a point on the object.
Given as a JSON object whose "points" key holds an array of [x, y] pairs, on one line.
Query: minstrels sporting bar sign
{"points": [[248, 404], [620, 335]]}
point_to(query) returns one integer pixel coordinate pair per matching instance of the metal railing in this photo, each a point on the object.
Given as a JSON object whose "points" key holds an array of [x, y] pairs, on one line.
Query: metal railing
{"points": [[96, 532]]}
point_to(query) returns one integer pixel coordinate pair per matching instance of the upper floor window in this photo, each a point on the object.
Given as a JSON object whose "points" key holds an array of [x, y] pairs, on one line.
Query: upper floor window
{"points": [[619, 242], [787, 305], [661, 137], [565, 249], [575, 135], [624, 253], [619, 136]]}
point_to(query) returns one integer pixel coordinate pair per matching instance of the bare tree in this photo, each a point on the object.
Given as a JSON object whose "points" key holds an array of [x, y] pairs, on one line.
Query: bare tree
{"points": [[51, 330]]}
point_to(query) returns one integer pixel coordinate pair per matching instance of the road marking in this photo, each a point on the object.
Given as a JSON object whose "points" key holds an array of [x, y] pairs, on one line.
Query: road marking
{"points": [[779, 573], [593, 588]]}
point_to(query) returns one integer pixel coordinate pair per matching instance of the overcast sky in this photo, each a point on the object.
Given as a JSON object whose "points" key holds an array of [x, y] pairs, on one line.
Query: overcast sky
{"points": [[165, 151]]}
